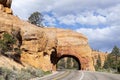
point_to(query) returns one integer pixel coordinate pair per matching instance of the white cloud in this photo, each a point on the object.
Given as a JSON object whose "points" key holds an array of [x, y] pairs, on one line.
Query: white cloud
{"points": [[23, 9], [71, 11], [49, 20], [90, 19], [102, 39], [68, 20], [112, 14], [64, 7]]}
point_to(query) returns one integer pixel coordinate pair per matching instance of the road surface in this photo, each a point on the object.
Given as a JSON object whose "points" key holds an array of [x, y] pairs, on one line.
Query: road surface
{"points": [[80, 75]]}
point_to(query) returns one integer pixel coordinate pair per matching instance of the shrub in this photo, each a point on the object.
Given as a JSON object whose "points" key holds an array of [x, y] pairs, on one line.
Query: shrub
{"points": [[24, 74], [47, 72], [7, 42], [29, 73], [7, 74]]}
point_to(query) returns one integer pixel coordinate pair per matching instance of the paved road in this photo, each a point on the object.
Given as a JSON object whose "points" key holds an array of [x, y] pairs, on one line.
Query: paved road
{"points": [[100, 76], [80, 75]]}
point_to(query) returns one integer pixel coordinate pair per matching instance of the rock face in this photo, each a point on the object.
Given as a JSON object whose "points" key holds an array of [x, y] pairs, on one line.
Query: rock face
{"points": [[5, 6], [34, 42], [96, 55], [75, 45], [43, 47], [10, 64], [6, 3]]}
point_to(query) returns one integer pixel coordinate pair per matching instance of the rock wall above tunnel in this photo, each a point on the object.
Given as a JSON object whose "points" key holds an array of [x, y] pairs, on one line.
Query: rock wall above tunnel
{"points": [[73, 44]]}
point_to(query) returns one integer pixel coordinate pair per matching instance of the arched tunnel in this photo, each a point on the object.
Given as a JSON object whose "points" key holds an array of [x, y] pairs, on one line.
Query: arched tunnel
{"points": [[68, 62], [55, 59]]}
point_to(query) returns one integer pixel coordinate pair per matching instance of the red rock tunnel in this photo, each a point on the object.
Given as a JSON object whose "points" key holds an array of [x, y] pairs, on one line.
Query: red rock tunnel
{"points": [[70, 56]]}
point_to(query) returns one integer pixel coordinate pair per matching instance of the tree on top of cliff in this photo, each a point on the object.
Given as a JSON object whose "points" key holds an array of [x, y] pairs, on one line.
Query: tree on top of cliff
{"points": [[36, 18]]}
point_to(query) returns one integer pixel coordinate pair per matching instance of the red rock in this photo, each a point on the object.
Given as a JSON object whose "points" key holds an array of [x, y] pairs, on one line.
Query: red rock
{"points": [[43, 47]]}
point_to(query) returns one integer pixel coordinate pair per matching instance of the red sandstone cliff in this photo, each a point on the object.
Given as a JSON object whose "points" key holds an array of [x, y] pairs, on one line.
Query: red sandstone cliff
{"points": [[37, 44]]}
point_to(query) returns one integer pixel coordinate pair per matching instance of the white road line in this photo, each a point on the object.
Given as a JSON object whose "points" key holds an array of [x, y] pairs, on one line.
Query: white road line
{"points": [[82, 75]]}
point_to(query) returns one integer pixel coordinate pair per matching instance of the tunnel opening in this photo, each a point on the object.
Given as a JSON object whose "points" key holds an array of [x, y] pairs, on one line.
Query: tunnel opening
{"points": [[68, 62]]}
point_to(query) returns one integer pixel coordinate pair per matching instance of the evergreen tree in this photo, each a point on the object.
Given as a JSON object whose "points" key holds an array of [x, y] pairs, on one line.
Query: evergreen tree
{"points": [[36, 18], [109, 62], [113, 59], [116, 53]]}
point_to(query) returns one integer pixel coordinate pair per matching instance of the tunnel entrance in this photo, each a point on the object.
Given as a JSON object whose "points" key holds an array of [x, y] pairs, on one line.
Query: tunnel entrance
{"points": [[68, 62]]}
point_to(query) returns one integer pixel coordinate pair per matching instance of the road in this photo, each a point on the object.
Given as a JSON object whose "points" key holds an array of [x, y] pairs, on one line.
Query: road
{"points": [[80, 75]]}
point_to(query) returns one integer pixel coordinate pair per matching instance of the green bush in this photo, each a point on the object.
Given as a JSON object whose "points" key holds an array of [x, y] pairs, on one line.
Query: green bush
{"points": [[23, 76], [6, 74], [34, 72], [6, 43], [47, 72]]}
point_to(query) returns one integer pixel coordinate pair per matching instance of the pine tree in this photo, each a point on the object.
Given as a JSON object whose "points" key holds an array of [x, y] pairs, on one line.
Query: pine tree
{"points": [[116, 52], [36, 18], [109, 62]]}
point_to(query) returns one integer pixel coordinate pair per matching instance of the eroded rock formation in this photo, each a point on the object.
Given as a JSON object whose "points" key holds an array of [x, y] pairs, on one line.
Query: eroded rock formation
{"points": [[96, 55], [36, 43], [73, 44], [5, 6], [42, 47]]}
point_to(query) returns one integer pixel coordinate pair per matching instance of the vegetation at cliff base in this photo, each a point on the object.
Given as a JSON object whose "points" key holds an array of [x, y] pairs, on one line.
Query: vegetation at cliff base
{"points": [[6, 43], [7, 47], [23, 74]]}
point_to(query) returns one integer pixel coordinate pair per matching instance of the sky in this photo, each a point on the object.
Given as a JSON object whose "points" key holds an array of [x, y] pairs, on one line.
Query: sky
{"points": [[99, 20]]}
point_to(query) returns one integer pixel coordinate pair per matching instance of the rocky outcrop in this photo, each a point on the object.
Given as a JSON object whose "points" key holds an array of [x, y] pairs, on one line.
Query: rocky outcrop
{"points": [[9, 63], [43, 47], [5, 6], [96, 55], [34, 42], [6, 3], [74, 44]]}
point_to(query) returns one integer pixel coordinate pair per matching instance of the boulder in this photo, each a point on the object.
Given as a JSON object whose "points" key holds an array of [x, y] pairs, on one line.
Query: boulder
{"points": [[6, 3], [5, 6]]}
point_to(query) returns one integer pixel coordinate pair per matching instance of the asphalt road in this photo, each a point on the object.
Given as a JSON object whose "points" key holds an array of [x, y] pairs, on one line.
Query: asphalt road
{"points": [[80, 75]]}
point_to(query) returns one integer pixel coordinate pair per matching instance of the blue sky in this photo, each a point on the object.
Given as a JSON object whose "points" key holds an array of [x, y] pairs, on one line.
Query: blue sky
{"points": [[99, 20]]}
